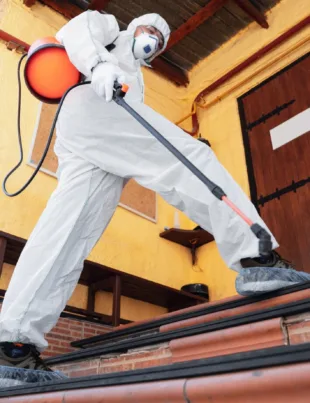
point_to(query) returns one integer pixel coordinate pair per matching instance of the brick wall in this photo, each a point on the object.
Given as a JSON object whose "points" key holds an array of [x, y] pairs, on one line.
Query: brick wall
{"points": [[68, 330], [144, 358], [249, 337], [298, 328]]}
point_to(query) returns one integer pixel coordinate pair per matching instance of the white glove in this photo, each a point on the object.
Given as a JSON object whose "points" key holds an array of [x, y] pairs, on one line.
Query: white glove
{"points": [[103, 78]]}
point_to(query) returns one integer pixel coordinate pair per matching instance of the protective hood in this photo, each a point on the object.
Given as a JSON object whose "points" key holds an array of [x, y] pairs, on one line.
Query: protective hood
{"points": [[156, 21]]}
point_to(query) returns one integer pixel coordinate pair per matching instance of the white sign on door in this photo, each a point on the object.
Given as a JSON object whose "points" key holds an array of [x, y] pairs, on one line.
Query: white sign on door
{"points": [[291, 129]]}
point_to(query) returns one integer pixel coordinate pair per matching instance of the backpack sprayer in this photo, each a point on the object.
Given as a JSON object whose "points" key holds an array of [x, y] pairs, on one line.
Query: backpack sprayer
{"points": [[50, 76]]}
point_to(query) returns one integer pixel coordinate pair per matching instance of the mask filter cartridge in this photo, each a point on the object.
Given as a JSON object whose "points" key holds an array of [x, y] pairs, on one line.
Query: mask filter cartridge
{"points": [[145, 46]]}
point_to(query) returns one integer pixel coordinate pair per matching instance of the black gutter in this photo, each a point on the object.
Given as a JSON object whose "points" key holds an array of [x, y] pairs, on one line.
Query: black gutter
{"points": [[292, 308], [252, 360], [188, 315]]}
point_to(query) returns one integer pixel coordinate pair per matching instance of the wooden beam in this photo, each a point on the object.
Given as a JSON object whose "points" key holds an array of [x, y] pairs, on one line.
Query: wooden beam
{"points": [[117, 292], [64, 7], [3, 243], [29, 3], [197, 19], [104, 285], [98, 5], [91, 299], [169, 71], [253, 12]]}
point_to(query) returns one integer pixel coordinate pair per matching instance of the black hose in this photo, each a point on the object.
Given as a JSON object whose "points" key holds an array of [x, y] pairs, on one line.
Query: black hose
{"points": [[49, 140]]}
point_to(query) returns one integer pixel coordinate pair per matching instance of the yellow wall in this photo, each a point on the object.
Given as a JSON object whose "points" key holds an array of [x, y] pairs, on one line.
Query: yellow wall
{"points": [[131, 309], [220, 123], [7, 271], [145, 255]]}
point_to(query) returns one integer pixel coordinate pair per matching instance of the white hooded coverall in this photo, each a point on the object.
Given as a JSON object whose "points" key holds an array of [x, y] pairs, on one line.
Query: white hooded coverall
{"points": [[99, 145]]}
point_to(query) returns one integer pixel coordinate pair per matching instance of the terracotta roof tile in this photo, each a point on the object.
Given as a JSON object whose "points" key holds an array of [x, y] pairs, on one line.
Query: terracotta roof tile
{"points": [[287, 384], [284, 384], [254, 336], [268, 303]]}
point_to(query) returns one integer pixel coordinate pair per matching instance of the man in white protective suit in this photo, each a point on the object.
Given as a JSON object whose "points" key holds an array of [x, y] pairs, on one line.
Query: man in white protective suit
{"points": [[99, 147]]}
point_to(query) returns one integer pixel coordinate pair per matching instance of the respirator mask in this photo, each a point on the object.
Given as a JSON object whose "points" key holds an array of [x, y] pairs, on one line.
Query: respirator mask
{"points": [[145, 45]]}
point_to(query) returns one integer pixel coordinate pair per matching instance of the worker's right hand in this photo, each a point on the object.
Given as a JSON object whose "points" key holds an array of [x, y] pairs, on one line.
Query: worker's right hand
{"points": [[103, 78]]}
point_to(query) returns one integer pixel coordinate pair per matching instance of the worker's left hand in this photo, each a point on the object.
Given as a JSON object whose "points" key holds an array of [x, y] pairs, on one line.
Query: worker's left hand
{"points": [[104, 76]]}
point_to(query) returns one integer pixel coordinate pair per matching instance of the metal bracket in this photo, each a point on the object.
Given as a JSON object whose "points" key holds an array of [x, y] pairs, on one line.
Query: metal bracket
{"points": [[16, 47], [263, 118], [193, 243], [280, 192]]}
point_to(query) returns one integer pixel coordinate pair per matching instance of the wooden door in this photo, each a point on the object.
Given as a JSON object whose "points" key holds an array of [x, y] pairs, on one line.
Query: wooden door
{"points": [[275, 118]]}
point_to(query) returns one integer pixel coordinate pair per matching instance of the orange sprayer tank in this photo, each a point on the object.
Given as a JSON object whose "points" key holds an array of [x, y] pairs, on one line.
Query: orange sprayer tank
{"points": [[48, 70]]}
